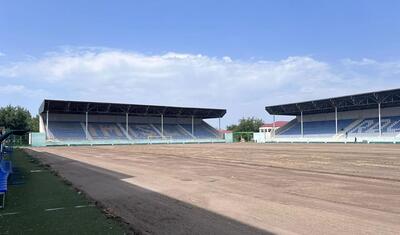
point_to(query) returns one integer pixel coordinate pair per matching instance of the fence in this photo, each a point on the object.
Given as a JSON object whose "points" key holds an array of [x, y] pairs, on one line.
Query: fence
{"points": [[13, 140]]}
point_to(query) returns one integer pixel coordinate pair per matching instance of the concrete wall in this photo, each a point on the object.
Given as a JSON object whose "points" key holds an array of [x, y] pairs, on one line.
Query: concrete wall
{"points": [[37, 139], [228, 137], [260, 137]]}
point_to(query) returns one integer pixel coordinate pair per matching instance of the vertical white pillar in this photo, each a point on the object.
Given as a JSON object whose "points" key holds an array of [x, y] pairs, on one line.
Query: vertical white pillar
{"points": [[47, 124], [336, 120], [86, 125], [302, 124], [127, 123], [192, 125], [273, 125], [380, 122], [162, 125], [42, 126]]}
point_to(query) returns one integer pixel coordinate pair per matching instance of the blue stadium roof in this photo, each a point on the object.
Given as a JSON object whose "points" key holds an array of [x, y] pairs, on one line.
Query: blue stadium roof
{"points": [[81, 107], [370, 100]]}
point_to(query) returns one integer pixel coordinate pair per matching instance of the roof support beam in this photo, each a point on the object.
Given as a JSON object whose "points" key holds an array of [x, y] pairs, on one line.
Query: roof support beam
{"points": [[47, 124], [97, 108], [389, 98], [86, 126], [162, 126], [379, 119], [336, 120], [302, 125]]}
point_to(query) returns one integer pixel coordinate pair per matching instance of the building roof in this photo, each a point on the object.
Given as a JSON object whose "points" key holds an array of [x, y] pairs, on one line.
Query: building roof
{"points": [[277, 124], [387, 98], [81, 107], [224, 131]]}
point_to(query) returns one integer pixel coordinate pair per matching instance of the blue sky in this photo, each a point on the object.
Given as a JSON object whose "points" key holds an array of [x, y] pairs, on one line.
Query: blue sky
{"points": [[239, 55]]}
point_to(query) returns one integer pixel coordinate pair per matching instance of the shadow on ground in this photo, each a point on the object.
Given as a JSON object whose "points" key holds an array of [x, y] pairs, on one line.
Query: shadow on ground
{"points": [[146, 211]]}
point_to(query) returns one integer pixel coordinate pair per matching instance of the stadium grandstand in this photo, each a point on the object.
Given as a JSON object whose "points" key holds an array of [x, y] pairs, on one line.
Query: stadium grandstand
{"points": [[65, 122], [368, 117]]}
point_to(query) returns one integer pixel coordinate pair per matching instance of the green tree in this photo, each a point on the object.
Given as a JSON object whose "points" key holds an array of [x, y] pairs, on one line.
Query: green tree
{"points": [[250, 124], [15, 118], [232, 127], [34, 124]]}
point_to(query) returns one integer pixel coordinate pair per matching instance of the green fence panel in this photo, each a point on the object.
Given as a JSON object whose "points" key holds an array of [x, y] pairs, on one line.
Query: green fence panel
{"points": [[229, 137], [38, 139]]}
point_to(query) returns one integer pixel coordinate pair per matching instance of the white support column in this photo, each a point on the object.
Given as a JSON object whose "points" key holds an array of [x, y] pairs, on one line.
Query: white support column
{"points": [[336, 120], [127, 123], [302, 124], [273, 126], [162, 125], [86, 126], [192, 125], [47, 124], [380, 121], [219, 128], [42, 125]]}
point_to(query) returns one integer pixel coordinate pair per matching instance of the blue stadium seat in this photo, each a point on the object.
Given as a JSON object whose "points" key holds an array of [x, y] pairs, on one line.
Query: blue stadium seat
{"points": [[67, 130], [174, 131], [366, 127], [142, 131], [370, 127], [317, 128], [201, 131], [108, 131]]}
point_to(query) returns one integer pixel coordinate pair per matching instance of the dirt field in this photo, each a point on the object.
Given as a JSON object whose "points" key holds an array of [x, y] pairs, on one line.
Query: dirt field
{"points": [[240, 188]]}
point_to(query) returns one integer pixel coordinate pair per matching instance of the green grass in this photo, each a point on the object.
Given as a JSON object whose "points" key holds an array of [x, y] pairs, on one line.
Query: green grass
{"points": [[27, 205]]}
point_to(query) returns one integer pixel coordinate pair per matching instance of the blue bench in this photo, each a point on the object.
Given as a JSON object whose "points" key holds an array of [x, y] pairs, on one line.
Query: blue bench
{"points": [[5, 171], [6, 166], [3, 186]]}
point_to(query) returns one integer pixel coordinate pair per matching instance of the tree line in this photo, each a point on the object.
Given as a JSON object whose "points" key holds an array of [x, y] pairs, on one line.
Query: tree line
{"points": [[250, 124], [18, 118]]}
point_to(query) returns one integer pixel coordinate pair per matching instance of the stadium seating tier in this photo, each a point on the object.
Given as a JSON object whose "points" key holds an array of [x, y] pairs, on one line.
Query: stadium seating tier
{"points": [[64, 131], [362, 127]]}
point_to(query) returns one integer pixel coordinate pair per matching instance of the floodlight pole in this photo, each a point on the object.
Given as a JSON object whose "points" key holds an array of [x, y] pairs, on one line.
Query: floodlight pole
{"points": [[336, 120], [380, 122], [86, 125], [302, 124], [47, 124]]}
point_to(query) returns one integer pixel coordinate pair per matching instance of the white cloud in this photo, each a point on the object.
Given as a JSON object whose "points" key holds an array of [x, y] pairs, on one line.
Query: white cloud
{"points": [[21, 95], [2, 54], [20, 90], [243, 87], [362, 62]]}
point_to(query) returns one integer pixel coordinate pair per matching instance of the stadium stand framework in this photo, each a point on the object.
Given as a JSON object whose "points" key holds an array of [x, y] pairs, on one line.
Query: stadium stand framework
{"points": [[93, 123], [369, 117], [362, 118]]}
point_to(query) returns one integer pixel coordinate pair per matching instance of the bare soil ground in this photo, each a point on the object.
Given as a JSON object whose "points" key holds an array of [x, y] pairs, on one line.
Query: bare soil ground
{"points": [[240, 188]]}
